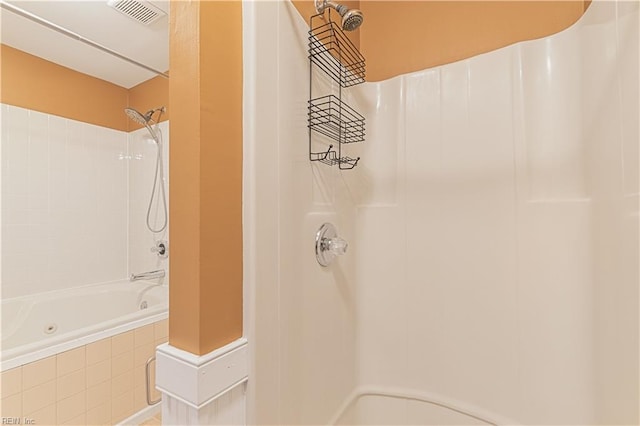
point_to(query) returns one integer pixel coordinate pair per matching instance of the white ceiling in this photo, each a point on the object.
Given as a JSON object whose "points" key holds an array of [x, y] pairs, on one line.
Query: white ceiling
{"points": [[98, 22]]}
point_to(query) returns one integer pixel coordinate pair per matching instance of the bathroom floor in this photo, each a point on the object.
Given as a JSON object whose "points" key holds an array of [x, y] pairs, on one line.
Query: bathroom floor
{"points": [[153, 421]]}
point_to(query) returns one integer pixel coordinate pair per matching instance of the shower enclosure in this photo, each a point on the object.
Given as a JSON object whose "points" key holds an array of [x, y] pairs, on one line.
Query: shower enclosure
{"points": [[492, 221]]}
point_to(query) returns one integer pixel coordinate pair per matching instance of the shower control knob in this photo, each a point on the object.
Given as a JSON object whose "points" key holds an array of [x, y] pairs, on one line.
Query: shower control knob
{"points": [[336, 245], [329, 245], [160, 249]]}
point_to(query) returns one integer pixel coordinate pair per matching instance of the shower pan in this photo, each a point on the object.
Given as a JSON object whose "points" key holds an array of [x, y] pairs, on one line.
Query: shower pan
{"points": [[492, 272]]}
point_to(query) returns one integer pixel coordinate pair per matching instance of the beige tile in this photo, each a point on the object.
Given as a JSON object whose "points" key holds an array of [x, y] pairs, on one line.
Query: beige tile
{"points": [[11, 406], [98, 351], [99, 395], [144, 335], [122, 407], [122, 363], [98, 373], [39, 397], [72, 407], [139, 398], [161, 329], [11, 382], [80, 420], [71, 384], [44, 416], [100, 415], [143, 353], [161, 341], [139, 376], [70, 361], [121, 384], [38, 372], [122, 343]]}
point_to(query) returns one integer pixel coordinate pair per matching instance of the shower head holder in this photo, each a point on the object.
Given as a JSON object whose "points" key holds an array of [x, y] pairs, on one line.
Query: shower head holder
{"points": [[146, 119], [321, 5]]}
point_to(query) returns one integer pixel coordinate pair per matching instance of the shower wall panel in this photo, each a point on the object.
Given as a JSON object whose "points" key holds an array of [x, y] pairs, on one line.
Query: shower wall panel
{"points": [[301, 320], [497, 250]]}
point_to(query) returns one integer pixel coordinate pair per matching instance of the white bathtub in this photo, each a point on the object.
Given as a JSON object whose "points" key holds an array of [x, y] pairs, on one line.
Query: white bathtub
{"points": [[38, 326]]}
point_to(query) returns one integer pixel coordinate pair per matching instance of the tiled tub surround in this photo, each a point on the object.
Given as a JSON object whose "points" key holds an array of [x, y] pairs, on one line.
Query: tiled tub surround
{"points": [[74, 202], [101, 383]]}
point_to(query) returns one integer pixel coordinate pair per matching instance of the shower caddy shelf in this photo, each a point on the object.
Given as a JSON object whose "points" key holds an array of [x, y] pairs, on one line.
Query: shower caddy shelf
{"points": [[331, 52]]}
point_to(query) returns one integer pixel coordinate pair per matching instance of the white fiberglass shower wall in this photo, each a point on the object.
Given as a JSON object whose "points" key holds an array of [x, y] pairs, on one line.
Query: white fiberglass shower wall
{"points": [[492, 273]]}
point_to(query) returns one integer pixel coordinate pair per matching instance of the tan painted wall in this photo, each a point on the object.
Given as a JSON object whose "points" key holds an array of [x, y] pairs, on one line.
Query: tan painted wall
{"points": [[184, 185], [398, 37], [34, 83], [147, 95], [221, 174], [205, 309]]}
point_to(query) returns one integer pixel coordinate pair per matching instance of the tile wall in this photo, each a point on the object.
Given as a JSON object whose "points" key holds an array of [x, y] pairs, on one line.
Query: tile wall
{"points": [[98, 384], [64, 203], [74, 202]]}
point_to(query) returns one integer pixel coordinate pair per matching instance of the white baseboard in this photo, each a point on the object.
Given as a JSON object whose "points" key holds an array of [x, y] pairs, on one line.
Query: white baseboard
{"points": [[207, 389]]}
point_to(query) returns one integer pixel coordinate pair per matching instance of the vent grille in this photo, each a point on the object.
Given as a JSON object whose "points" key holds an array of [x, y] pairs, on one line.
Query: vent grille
{"points": [[139, 10]]}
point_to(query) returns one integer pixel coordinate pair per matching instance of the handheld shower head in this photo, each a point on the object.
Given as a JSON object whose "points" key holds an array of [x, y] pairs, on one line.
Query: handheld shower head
{"points": [[138, 117], [351, 18], [145, 119]]}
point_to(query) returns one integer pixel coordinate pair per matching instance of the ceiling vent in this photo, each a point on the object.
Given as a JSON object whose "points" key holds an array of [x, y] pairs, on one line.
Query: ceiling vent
{"points": [[139, 10]]}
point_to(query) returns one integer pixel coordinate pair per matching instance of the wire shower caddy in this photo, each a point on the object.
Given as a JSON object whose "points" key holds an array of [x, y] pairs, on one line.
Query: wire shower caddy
{"points": [[331, 52]]}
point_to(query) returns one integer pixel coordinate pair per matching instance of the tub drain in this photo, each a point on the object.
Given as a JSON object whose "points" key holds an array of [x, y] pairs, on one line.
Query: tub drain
{"points": [[50, 329], [143, 305]]}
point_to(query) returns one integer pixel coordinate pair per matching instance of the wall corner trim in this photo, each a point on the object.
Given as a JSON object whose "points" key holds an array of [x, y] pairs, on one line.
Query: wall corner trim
{"points": [[198, 380]]}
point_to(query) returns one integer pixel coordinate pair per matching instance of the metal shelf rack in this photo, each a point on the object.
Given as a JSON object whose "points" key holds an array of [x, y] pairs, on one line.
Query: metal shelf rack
{"points": [[331, 52]]}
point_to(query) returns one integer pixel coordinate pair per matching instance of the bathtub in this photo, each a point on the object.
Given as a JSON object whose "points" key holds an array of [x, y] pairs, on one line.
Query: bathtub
{"points": [[38, 326]]}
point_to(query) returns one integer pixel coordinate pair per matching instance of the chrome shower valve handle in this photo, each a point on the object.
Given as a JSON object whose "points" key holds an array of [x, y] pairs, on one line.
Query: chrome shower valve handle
{"points": [[336, 245], [161, 249], [329, 245]]}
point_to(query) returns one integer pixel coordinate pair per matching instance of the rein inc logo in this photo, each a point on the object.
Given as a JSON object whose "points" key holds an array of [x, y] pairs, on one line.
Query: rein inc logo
{"points": [[18, 421]]}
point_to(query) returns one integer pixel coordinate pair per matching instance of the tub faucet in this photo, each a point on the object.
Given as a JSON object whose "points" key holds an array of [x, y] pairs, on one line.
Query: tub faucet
{"points": [[147, 275]]}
